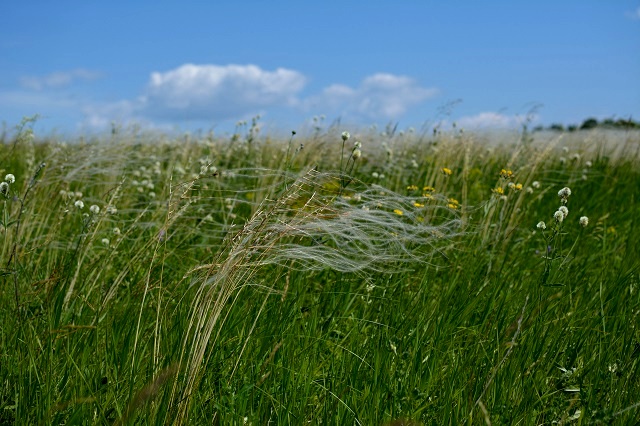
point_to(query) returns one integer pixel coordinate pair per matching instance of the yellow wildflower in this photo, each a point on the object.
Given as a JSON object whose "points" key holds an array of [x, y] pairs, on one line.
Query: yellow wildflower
{"points": [[417, 204], [453, 203], [498, 190], [506, 174], [412, 188], [428, 189], [446, 171], [398, 212]]}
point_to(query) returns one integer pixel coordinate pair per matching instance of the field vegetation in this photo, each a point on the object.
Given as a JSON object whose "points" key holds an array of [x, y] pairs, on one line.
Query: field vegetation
{"points": [[378, 277]]}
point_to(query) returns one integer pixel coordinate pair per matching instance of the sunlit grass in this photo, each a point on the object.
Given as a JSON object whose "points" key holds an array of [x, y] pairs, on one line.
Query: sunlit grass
{"points": [[335, 278]]}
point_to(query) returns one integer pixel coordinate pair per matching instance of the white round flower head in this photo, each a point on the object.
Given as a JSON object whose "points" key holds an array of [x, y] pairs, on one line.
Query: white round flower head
{"points": [[4, 188], [588, 163], [78, 194], [357, 154], [345, 136], [536, 184], [94, 209], [375, 175], [10, 178], [558, 216], [541, 225], [584, 221], [564, 210], [564, 193], [79, 204], [105, 241], [357, 144], [116, 231]]}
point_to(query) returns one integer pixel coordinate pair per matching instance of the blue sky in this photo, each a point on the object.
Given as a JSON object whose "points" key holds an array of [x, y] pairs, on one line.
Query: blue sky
{"points": [[188, 65]]}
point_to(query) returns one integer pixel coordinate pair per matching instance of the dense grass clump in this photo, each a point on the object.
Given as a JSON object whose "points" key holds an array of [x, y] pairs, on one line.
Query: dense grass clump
{"points": [[156, 279]]}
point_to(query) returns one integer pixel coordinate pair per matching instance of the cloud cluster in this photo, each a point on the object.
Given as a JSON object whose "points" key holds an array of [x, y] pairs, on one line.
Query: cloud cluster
{"points": [[58, 79], [380, 96], [220, 92], [214, 93]]}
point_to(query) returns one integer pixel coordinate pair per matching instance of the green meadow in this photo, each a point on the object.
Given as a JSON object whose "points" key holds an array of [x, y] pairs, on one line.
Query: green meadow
{"points": [[380, 277]]}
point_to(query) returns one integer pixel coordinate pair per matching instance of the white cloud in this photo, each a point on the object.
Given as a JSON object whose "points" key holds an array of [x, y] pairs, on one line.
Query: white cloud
{"points": [[490, 119], [204, 92], [379, 96], [58, 79]]}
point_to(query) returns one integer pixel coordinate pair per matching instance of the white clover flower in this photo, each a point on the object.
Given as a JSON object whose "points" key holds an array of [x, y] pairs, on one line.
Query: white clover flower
{"points": [[536, 184], [381, 176], [541, 225], [79, 204], [511, 185], [78, 194], [529, 190], [558, 216], [111, 210], [4, 188], [564, 194], [588, 163], [63, 193], [584, 221], [94, 209], [562, 160], [375, 175], [345, 136], [357, 144], [575, 157], [105, 241], [116, 231], [152, 194], [564, 210], [356, 154], [10, 178]]}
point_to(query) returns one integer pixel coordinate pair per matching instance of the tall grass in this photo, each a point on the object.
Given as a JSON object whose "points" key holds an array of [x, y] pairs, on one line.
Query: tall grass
{"points": [[247, 280]]}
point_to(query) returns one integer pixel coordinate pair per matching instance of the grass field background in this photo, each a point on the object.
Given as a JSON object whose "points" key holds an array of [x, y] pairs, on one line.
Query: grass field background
{"points": [[150, 278]]}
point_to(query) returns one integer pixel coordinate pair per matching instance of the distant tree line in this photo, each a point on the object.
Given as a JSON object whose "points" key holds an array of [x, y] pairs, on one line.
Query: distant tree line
{"points": [[592, 123]]}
